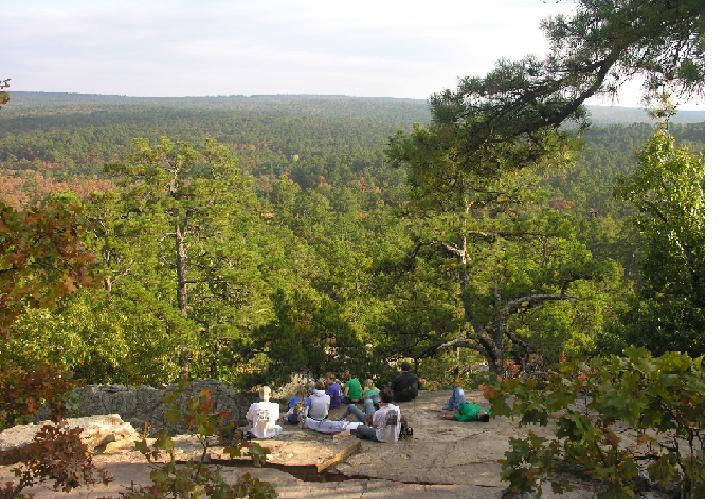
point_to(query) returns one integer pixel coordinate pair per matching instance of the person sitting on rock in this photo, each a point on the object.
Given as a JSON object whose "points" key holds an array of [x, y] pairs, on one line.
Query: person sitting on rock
{"points": [[352, 389], [371, 400], [371, 396], [385, 423], [317, 407], [406, 385], [458, 396], [263, 416], [296, 405], [334, 390]]}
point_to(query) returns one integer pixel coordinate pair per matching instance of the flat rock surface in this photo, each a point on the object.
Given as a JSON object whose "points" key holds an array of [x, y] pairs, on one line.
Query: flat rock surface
{"points": [[444, 459]]}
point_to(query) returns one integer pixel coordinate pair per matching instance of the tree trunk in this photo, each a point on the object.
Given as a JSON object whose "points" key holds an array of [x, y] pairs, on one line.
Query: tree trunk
{"points": [[108, 278], [482, 337], [181, 263]]}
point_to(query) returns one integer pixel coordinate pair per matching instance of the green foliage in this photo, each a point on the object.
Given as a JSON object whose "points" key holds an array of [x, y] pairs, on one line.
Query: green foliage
{"points": [[668, 190], [616, 419]]}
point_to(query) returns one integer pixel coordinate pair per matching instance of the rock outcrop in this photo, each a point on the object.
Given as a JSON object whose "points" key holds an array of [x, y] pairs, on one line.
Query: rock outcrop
{"points": [[98, 432], [144, 406]]}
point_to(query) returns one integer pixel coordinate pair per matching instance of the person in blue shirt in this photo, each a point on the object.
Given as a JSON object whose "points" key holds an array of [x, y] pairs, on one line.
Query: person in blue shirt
{"points": [[297, 402]]}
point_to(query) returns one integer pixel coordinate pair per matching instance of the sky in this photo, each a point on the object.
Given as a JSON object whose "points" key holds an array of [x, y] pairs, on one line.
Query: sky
{"points": [[389, 48]]}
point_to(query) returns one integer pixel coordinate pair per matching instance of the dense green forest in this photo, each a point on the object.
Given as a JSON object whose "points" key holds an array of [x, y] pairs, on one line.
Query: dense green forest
{"points": [[302, 251], [496, 232]]}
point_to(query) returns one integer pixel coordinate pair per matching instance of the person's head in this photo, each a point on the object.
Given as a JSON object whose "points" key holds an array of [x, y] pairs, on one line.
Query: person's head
{"points": [[319, 385], [347, 375], [386, 396], [264, 393], [301, 391], [405, 367], [369, 384], [330, 378]]}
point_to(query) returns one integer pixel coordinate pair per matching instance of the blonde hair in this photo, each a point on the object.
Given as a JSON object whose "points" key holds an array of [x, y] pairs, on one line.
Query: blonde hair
{"points": [[264, 393], [301, 391], [369, 384]]}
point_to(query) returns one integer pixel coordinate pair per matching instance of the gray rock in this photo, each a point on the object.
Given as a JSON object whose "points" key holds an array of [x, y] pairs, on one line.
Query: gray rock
{"points": [[143, 406]]}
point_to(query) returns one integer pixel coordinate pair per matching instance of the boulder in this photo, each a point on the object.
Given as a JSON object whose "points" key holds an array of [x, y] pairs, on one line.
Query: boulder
{"points": [[97, 433]]}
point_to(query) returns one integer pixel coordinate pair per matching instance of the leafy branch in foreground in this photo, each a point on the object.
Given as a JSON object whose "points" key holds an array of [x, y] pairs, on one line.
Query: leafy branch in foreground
{"points": [[56, 453], [619, 421], [195, 477]]}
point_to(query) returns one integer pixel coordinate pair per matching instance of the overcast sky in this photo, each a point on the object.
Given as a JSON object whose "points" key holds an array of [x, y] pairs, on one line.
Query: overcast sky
{"points": [[390, 48]]}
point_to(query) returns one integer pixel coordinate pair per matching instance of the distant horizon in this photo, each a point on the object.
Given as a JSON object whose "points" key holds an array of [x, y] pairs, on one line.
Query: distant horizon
{"points": [[171, 48], [681, 108]]}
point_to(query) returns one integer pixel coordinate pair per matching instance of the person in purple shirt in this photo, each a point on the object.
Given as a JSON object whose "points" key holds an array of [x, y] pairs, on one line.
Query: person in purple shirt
{"points": [[334, 390]]}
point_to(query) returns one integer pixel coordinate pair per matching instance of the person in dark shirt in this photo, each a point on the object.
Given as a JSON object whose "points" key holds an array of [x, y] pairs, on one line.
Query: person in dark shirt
{"points": [[334, 390], [406, 385]]}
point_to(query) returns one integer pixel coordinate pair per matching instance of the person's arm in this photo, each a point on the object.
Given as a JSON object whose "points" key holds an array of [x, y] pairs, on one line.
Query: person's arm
{"points": [[250, 413], [346, 390]]}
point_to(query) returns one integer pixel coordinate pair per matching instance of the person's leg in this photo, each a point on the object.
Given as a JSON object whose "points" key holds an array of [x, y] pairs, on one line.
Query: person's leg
{"points": [[353, 409], [369, 407], [367, 433], [457, 398]]}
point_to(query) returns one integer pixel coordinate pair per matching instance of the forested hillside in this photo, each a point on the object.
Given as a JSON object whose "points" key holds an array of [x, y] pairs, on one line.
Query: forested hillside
{"points": [[302, 230], [500, 236]]}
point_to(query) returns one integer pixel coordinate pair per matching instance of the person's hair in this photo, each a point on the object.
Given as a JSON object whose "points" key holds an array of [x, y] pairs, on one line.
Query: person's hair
{"points": [[347, 375], [319, 385], [455, 371], [264, 393], [330, 377], [405, 366], [369, 384], [387, 395], [301, 391]]}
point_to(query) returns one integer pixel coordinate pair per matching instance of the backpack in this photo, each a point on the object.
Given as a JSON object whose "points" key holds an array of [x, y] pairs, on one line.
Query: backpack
{"points": [[406, 431]]}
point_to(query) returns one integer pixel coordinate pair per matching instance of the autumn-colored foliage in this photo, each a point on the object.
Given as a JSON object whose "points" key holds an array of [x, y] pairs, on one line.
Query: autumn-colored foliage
{"points": [[56, 454], [26, 189], [42, 255], [23, 391]]}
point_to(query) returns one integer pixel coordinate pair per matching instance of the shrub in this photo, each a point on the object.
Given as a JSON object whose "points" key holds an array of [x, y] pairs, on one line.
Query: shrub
{"points": [[621, 421]]}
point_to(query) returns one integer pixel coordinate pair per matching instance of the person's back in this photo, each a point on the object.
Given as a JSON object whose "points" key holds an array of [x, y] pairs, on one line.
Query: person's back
{"points": [[406, 385], [264, 415], [387, 421], [334, 390], [318, 404], [352, 389]]}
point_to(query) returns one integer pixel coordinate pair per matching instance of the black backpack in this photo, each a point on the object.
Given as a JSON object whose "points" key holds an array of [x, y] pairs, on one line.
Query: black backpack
{"points": [[406, 431]]}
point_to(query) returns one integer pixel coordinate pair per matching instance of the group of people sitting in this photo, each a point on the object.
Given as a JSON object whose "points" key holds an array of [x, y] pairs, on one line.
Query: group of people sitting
{"points": [[378, 416], [379, 419]]}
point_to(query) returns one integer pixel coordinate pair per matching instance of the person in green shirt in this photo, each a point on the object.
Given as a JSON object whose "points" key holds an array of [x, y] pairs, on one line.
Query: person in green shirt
{"points": [[352, 389], [468, 411]]}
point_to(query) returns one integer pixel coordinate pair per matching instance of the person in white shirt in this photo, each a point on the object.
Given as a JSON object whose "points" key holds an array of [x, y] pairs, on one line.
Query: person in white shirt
{"points": [[317, 407], [263, 416], [386, 422]]}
